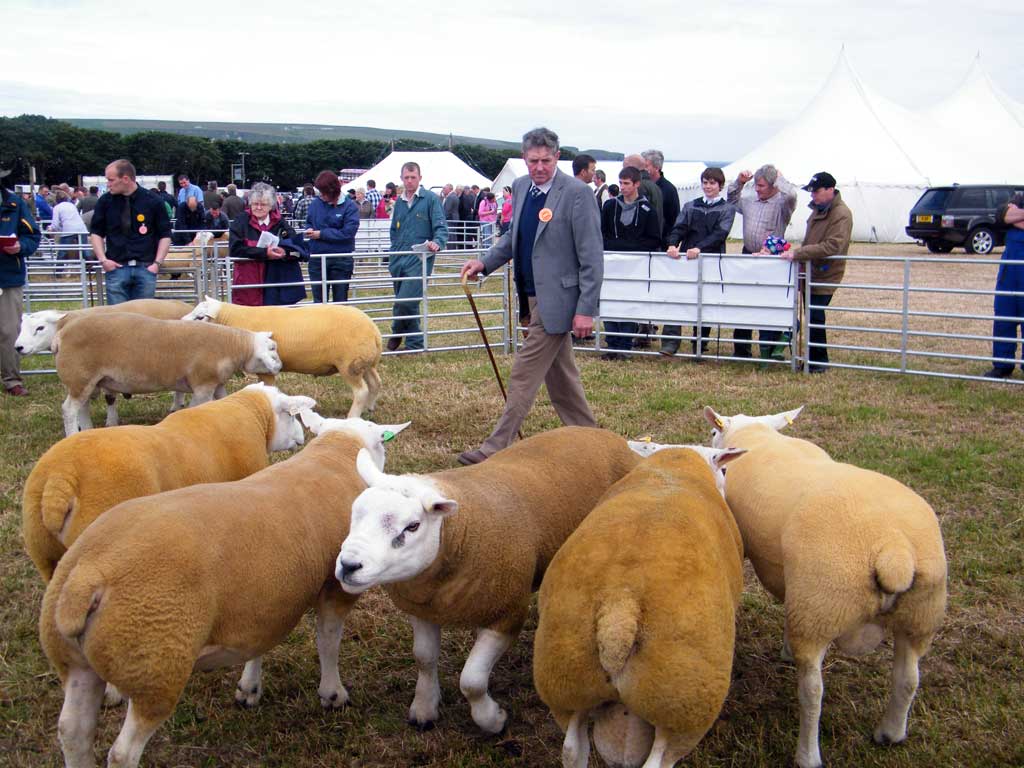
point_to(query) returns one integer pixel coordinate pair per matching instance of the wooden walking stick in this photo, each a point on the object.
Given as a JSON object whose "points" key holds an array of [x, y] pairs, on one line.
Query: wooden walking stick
{"points": [[487, 344]]}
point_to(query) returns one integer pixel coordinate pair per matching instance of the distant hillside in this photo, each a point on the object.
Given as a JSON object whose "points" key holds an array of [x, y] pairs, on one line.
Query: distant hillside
{"points": [[290, 133]]}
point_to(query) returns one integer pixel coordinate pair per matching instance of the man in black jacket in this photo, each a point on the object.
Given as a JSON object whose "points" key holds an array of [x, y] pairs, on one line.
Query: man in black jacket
{"points": [[701, 227], [628, 223]]}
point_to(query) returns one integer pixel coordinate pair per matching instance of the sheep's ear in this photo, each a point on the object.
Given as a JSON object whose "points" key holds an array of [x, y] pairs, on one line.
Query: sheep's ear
{"points": [[314, 421], [644, 447], [368, 470], [436, 504], [716, 420], [726, 455], [782, 420], [296, 404], [387, 432]]}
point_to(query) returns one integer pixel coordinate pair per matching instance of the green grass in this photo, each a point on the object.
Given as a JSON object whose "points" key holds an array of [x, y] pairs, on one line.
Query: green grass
{"points": [[957, 443]]}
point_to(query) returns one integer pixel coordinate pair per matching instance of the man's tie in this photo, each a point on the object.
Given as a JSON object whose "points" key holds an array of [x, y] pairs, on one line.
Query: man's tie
{"points": [[535, 191]]}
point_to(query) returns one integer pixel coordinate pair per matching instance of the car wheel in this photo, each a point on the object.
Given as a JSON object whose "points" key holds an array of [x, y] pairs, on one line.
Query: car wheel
{"points": [[939, 246], [981, 241]]}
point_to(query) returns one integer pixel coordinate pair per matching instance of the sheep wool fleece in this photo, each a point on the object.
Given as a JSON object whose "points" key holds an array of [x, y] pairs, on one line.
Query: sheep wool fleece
{"points": [[515, 511], [84, 475], [248, 559], [639, 605]]}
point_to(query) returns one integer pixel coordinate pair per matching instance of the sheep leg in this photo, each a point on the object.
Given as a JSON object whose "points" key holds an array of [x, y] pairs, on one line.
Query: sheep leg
{"points": [[426, 647], [202, 394], [656, 757], [576, 747], [476, 674], [809, 689], [179, 402], [134, 735], [76, 414], [787, 653], [76, 729], [219, 392], [250, 684], [372, 379], [360, 396], [329, 626], [906, 655], [111, 400]]}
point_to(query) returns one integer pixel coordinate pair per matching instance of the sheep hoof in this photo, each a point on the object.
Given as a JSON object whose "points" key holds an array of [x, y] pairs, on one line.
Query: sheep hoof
{"points": [[334, 701], [423, 727], [247, 699], [885, 739]]}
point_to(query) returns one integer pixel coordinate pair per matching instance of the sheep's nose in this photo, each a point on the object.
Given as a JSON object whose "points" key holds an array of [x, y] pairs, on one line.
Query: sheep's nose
{"points": [[19, 349], [347, 569]]}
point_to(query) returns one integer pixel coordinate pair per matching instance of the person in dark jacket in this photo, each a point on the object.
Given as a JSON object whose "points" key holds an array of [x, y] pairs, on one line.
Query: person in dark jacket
{"points": [[216, 220], [19, 228], [332, 221], [628, 223], [188, 221], [701, 227], [655, 160], [271, 264]]}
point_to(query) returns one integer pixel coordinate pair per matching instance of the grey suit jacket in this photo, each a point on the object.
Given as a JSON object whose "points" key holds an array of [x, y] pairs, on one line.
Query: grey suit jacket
{"points": [[568, 255]]}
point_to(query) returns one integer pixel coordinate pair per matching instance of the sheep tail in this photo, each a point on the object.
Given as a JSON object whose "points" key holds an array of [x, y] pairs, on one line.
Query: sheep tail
{"points": [[618, 628], [894, 569], [80, 597], [57, 504]]}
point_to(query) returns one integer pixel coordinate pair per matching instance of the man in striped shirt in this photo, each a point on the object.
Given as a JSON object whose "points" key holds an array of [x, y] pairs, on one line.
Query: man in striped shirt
{"points": [[372, 194], [767, 213]]}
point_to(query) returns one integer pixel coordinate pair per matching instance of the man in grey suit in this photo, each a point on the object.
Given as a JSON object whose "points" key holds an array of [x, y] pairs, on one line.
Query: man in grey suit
{"points": [[556, 248]]}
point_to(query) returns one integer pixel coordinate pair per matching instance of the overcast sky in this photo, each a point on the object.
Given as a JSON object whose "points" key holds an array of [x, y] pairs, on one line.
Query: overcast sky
{"points": [[703, 81]]}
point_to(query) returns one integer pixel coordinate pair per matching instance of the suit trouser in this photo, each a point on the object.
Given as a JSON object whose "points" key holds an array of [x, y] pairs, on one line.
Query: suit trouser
{"points": [[10, 327], [548, 359], [818, 335]]}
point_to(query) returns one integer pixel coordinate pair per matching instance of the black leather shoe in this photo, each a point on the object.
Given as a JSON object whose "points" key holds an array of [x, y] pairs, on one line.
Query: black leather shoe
{"points": [[475, 456], [998, 373], [668, 349], [394, 343]]}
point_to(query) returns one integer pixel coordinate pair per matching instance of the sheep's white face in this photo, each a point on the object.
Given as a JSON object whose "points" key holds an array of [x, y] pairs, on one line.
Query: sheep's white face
{"points": [[716, 458], [374, 436], [723, 427], [395, 531], [206, 309], [37, 331], [264, 357], [288, 432]]}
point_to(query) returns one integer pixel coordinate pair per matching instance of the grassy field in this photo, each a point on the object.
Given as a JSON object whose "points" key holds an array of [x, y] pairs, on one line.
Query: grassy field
{"points": [[957, 443]]}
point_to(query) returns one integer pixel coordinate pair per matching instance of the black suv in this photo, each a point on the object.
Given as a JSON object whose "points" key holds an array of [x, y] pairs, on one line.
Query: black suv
{"points": [[961, 215]]}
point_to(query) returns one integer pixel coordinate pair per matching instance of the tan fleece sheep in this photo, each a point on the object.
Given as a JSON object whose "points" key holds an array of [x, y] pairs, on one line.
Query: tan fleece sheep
{"points": [[638, 615], [478, 568], [84, 475], [201, 577], [318, 339], [852, 553], [126, 353]]}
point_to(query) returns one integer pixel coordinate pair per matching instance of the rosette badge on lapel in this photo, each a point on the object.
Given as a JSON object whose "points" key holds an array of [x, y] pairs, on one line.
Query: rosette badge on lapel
{"points": [[544, 215]]}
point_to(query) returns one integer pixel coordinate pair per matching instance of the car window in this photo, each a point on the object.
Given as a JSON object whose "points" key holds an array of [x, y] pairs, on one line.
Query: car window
{"points": [[934, 199], [972, 198], [998, 197]]}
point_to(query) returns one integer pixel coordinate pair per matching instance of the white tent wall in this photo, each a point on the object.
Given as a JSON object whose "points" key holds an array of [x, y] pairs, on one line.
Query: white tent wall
{"points": [[437, 169]]}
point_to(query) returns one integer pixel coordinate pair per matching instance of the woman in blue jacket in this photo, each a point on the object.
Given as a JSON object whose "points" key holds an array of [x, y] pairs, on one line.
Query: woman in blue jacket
{"points": [[332, 222], [21, 236]]}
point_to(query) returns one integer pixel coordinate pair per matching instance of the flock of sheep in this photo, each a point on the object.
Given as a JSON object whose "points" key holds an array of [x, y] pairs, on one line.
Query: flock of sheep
{"points": [[184, 549]]}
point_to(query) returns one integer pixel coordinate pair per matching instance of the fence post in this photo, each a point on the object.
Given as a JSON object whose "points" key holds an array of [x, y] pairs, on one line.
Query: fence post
{"points": [[508, 329], [794, 336], [904, 340], [425, 306], [807, 317], [698, 344]]}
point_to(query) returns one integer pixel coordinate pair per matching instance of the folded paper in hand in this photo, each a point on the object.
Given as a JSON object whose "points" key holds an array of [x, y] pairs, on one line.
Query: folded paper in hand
{"points": [[421, 247], [268, 240]]}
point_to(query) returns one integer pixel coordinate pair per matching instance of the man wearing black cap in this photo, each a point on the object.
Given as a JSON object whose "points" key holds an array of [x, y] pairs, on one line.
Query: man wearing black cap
{"points": [[19, 239], [828, 234]]}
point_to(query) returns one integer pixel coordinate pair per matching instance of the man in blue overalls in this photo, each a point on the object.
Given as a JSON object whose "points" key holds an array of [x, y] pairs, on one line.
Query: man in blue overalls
{"points": [[417, 222], [1009, 310]]}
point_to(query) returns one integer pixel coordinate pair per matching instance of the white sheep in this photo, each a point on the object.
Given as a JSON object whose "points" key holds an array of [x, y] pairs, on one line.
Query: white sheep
{"points": [[638, 614], [84, 475], [852, 553], [477, 568], [319, 339], [202, 577], [132, 354]]}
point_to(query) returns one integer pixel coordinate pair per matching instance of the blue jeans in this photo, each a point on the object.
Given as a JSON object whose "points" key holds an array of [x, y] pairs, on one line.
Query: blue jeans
{"points": [[1010, 278], [407, 309], [127, 283], [338, 268]]}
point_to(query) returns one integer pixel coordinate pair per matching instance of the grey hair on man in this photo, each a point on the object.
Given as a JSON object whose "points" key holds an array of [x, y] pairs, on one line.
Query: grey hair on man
{"points": [[263, 191], [767, 172], [540, 138], [655, 157]]}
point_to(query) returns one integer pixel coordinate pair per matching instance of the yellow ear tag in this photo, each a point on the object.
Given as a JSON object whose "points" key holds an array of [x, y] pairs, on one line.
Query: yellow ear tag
{"points": [[789, 421], [718, 423], [545, 215], [644, 439]]}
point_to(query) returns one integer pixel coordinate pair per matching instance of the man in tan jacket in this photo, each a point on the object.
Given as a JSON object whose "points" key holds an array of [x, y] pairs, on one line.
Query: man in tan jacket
{"points": [[828, 234]]}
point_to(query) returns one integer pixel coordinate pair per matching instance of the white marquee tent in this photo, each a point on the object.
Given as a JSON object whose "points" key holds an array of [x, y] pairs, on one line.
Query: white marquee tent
{"points": [[437, 168], [676, 172]]}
